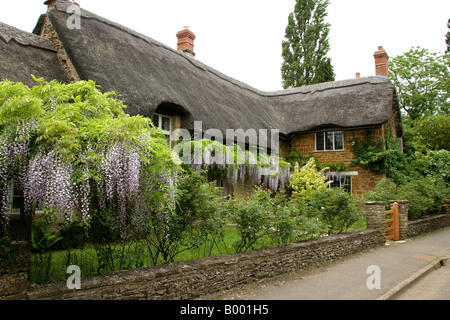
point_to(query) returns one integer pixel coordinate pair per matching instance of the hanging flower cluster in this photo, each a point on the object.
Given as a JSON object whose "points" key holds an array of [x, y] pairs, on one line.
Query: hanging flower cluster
{"points": [[120, 167], [49, 185], [14, 149], [238, 164]]}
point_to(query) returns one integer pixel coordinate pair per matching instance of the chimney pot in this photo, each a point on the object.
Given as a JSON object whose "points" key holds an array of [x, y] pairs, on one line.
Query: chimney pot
{"points": [[358, 75]]}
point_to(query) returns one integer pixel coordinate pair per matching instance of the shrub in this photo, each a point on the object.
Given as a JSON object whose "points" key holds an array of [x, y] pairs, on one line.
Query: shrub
{"points": [[337, 209], [74, 234], [202, 205], [304, 181], [425, 195], [251, 217]]}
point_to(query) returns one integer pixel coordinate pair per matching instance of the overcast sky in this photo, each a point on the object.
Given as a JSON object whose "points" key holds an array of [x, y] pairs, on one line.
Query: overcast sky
{"points": [[242, 38]]}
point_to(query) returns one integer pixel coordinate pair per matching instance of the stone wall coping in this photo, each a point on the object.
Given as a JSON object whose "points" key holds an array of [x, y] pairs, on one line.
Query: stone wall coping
{"points": [[375, 202], [399, 201]]}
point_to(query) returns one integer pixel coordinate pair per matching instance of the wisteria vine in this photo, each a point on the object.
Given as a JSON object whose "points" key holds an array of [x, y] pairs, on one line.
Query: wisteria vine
{"points": [[65, 146]]}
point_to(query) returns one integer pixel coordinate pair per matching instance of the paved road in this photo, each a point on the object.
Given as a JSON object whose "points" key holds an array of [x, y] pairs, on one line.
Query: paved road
{"points": [[347, 278]]}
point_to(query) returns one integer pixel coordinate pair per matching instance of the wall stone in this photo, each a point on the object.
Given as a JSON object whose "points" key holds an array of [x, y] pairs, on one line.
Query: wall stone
{"points": [[191, 279], [375, 216], [428, 224], [14, 269]]}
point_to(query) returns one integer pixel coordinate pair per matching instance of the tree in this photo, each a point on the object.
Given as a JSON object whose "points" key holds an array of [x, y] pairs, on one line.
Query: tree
{"points": [[306, 46], [423, 82]]}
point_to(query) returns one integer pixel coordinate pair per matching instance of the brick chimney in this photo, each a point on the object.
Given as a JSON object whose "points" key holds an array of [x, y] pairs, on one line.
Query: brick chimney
{"points": [[381, 62], [186, 41]]}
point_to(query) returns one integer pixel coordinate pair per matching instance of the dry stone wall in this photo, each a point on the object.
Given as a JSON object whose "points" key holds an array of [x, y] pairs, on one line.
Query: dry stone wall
{"points": [[188, 280]]}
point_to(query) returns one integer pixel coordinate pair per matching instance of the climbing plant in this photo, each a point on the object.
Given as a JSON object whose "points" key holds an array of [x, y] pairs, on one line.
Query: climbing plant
{"points": [[70, 148], [234, 163]]}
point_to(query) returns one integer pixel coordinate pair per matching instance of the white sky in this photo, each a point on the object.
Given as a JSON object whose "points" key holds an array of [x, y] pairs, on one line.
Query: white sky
{"points": [[242, 38]]}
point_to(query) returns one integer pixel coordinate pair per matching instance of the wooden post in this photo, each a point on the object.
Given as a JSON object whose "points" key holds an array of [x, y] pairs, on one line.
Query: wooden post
{"points": [[403, 217]]}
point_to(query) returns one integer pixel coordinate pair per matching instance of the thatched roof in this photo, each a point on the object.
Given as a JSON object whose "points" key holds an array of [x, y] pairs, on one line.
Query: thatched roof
{"points": [[23, 54], [356, 103], [149, 75]]}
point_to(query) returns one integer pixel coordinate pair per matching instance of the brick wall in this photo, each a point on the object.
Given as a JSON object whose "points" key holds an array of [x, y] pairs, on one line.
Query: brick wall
{"points": [[365, 180]]}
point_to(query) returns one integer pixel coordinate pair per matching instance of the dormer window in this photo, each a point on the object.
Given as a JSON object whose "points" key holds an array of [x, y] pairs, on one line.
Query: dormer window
{"points": [[163, 122]]}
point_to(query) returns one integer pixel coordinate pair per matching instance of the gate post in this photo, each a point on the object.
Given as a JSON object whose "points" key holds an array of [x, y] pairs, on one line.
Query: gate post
{"points": [[375, 217], [403, 217]]}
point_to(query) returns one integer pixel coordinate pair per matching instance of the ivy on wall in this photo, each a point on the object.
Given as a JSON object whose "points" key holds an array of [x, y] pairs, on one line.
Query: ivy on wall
{"points": [[380, 155]]}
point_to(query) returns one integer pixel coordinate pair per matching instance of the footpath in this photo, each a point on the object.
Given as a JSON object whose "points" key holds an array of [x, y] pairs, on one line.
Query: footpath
{"points": [[381, 273]]}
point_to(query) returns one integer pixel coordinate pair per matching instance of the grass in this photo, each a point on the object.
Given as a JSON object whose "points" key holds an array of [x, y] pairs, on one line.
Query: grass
{"points": [[52, 266]]}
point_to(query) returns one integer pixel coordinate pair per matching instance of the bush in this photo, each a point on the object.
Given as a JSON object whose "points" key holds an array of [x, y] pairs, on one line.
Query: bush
{"points": [[251, 217], [425, 195], [202, 205], [74, 234], [304, 181], [332, 210]]}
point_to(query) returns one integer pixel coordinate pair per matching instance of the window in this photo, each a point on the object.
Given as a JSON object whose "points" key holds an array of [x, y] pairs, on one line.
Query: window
{"points": [[329, 140], [341, 180], [163, 123], [14, 200]]}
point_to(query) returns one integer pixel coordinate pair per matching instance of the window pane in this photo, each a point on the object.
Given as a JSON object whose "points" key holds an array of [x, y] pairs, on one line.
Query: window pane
{"points": [[338, 140], [165, 125], [347, 184], [319, 141], [155, 120], [340, 181], [329, 141]]}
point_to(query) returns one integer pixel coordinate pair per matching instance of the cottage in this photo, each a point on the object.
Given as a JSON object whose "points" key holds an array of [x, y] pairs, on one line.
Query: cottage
{"points": [[175, 90]]}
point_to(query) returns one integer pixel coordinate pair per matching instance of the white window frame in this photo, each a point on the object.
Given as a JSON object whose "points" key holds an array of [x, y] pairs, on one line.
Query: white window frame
{"points": [[324, 133], [167, 133]]}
